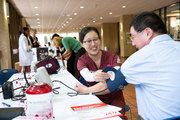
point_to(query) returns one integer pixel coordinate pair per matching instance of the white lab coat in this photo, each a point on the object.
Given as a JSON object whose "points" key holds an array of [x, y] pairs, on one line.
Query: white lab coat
{"points": [[25, 53]]}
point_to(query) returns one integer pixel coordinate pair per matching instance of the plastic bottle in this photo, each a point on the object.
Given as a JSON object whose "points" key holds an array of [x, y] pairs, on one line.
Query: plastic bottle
{"points": [[39, 101]]}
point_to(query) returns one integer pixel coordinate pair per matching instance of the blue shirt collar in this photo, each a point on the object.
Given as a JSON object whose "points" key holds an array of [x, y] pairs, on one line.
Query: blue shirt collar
{"points": [[160, 38]]}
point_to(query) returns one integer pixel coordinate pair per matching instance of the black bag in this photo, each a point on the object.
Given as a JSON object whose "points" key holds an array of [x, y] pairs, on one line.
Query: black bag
{"points": [[51, 64]]}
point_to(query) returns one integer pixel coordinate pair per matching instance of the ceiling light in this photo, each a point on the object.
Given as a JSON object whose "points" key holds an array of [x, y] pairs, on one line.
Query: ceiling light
{"points": [[110, 13], [39, 25], [175, 11], [81, 6], [36, 7], [68, 15], [38, 19], [70, 18], [37, 14], [123, 6], [38, 22], [94, 21], [67, 22], [75, 13], [173, 14], [172, 5], [101, 18]]}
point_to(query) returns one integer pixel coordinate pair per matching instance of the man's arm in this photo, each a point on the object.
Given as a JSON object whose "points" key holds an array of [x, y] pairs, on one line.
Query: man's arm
{"points": [[93, 89], [111, 85]]}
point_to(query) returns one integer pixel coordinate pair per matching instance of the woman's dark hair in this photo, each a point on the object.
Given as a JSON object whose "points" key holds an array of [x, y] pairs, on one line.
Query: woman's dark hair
{"points": [[24, 30], [86, 30], [148, 19]]}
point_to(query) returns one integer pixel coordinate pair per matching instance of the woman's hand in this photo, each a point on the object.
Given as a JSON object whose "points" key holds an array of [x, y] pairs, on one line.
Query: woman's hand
{"points": [[67, 54], [31, 45], [66, 58], [59, 57], [101, 76]]}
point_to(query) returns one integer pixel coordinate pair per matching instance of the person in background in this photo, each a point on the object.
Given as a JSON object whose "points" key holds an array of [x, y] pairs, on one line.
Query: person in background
{"points": [[94, 61], [54, 35], [34, 39], [153, 69], [73, 50], [30, 41], [59, 48], [25, 53]]}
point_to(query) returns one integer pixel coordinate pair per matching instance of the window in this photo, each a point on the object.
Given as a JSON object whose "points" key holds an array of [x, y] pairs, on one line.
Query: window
{"points": [[173, 20]]}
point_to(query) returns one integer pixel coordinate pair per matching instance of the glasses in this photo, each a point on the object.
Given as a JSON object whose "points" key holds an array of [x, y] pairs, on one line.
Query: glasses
{"points": [[89, 41], [132, 36]]}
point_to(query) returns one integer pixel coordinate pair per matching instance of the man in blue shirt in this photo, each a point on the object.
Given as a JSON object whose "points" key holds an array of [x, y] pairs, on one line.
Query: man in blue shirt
{"points": [[154, 70]]}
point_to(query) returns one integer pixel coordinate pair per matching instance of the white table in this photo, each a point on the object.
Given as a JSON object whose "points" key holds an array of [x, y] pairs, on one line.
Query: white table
{"points": [[62, 103]]}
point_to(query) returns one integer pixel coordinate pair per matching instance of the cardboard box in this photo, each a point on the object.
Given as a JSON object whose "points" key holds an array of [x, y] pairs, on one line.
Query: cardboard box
{"points": [[17, 67]]}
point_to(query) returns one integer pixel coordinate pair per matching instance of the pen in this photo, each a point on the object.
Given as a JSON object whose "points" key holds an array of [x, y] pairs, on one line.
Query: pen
{"points": [[6, 104], [56, 88]]}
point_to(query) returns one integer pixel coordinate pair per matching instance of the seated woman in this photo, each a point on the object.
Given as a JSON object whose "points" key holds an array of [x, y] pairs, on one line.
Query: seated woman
{"points": [[73, 50], [91, 64]]}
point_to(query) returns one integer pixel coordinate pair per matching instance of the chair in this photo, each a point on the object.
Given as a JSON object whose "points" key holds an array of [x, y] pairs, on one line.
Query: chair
{"points": [[5, 74], [17, 67], [173, 118], [127, 108]]}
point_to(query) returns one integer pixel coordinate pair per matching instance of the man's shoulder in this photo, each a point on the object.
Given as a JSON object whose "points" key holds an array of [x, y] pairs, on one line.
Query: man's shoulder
{"points": [[30, 37], [36, 37]]}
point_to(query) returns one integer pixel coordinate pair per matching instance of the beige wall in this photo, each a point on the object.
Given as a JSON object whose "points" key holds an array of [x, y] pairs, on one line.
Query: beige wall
{"points": [[99, 29], [5, 60], [109, 36], [9, 33], [126, 48]]}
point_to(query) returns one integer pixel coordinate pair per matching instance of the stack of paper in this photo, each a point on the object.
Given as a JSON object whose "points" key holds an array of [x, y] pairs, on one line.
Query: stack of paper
{"points": [[89, 107]]}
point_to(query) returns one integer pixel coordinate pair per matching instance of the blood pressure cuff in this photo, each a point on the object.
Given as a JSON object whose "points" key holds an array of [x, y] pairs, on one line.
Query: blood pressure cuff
{"points": [[117, 79]]}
